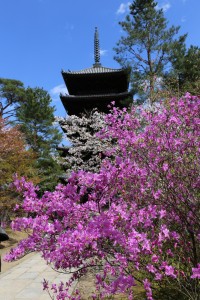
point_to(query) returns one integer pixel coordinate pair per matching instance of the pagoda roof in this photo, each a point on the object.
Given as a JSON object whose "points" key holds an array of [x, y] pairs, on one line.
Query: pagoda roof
{"points": [[76, 105], [95, 70], [102, 96], [96, 80]]}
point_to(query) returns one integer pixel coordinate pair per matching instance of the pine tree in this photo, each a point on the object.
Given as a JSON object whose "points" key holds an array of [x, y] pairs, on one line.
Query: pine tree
{"points": [[146, 46], [186, 67], [12, 92], [36, 119]]}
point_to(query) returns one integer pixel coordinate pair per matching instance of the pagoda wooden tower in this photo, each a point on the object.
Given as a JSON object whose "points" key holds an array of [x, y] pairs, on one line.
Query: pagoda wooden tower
{"points": [[95, 87]]}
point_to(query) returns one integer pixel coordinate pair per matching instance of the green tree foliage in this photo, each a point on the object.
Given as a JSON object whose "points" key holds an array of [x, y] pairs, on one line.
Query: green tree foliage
{"points": [[186, 67], [36, 116], [31, 109], [12, 92], [146, 46], [36, 119]]}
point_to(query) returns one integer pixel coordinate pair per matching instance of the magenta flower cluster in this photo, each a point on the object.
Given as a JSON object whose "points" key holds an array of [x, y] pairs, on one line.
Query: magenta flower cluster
{"points": [[139, 215]]}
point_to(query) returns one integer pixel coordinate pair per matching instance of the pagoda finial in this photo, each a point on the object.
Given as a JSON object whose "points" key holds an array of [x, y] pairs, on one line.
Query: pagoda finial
{"points": [[96, 49]]}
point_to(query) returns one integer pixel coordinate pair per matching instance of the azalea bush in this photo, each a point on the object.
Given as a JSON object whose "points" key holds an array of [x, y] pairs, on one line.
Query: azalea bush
{"points": [[137, 220]]}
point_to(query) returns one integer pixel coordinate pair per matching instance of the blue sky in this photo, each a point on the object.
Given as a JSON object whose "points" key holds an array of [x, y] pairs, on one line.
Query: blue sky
{"points": [[41, 37]]}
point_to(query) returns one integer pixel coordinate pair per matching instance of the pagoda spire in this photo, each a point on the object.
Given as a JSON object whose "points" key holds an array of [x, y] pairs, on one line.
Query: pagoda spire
{"points": [[96, 49]]}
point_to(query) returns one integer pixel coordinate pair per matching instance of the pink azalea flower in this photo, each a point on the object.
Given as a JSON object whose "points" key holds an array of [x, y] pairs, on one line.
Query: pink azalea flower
{"points": [[196, 272]]}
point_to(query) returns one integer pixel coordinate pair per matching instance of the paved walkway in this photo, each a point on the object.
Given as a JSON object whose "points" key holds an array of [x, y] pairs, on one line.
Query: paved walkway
{"points": [[24, 281]]}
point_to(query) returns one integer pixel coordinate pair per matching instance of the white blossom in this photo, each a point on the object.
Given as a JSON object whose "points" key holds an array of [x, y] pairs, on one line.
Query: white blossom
{"points": [[87, 149]]}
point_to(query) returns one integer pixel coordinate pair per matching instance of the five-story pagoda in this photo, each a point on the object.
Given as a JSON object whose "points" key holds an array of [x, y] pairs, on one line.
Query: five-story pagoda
{"points": [[95, 87]]}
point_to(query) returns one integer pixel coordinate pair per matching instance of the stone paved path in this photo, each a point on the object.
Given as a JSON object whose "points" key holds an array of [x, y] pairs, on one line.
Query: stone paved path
{"points": [[23, 281]]}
